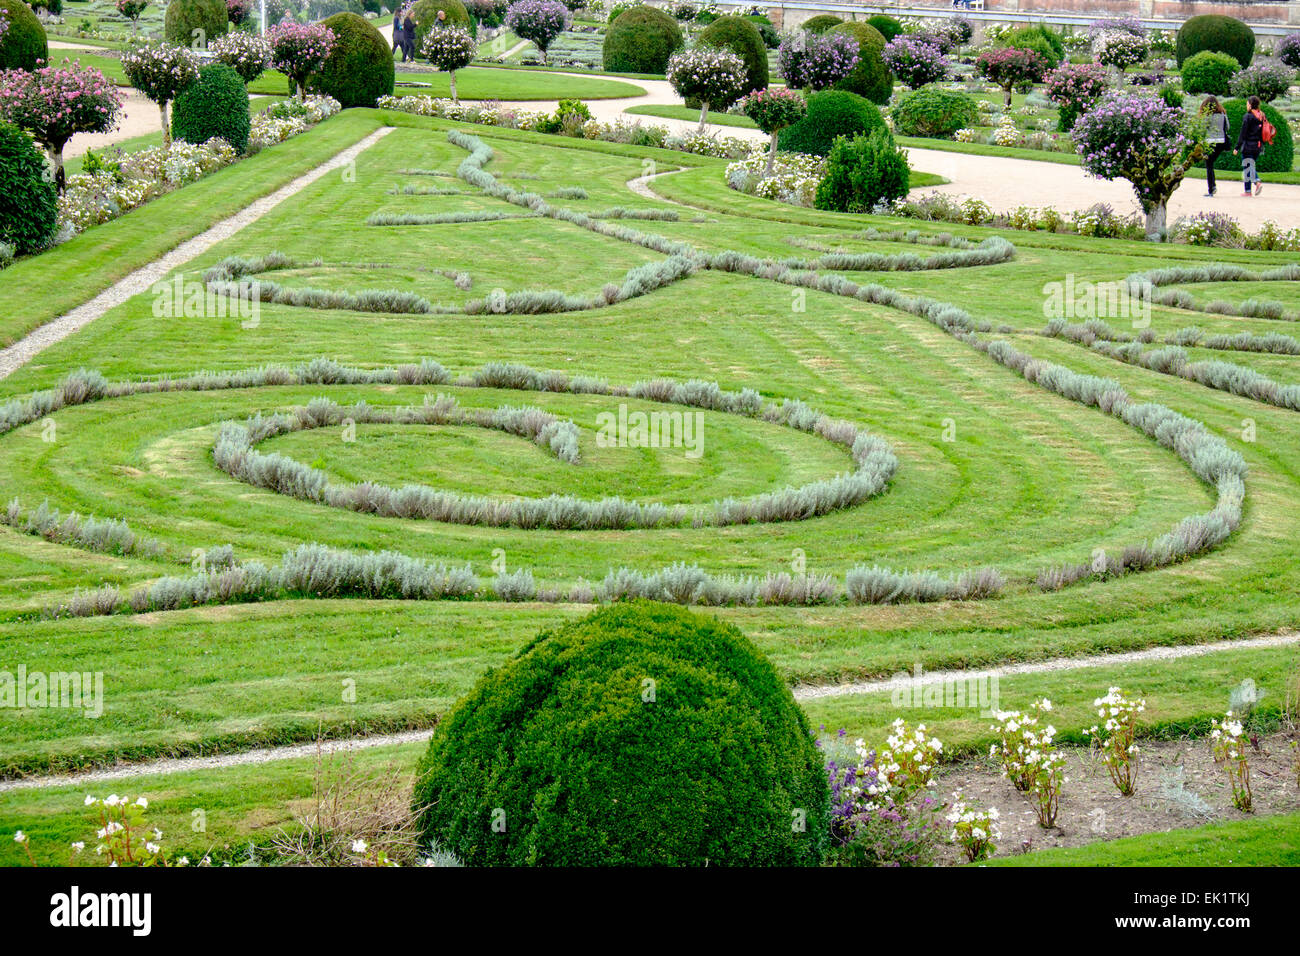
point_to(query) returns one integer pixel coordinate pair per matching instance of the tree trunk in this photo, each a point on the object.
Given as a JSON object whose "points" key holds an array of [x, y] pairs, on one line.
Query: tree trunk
{"points": [[1007, 91], [302, 89], [771, 156], [166, 127], [1156, 222], [454, 98], [60, 178], [704, 113]]}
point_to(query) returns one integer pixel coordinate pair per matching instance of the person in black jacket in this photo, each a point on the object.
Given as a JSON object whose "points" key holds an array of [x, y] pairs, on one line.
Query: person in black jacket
{"points": [[1250, 143], [397, 32], [408, 36]]}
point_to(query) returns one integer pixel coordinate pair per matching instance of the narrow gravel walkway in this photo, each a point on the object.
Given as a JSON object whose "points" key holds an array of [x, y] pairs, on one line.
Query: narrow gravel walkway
{"points": [[142, 279]]}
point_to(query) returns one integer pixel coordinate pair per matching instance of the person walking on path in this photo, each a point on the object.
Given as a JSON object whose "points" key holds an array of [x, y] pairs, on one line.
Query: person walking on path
{"points": [[1250, 143], [408, 36], [1216, 138], [397, 32]]}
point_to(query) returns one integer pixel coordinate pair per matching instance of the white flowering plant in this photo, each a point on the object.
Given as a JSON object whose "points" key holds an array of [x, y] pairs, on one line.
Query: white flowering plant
{"points": [[976, 831], [247, 54], [1228, 741], [123, 836], [1115, 737], [794, 177]]}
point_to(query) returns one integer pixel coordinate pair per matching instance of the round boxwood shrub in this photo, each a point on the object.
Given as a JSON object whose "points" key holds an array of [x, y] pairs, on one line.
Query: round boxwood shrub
{"points": [[185, 16], [1041, 40], [1221, 34], [934, 112], [1209, 72], [887, 25], [821, 23], [28, 201], [831, 113], [863, 172], [23, 45], [217, 105], [643, 734], [1277, 155], [640, 41], [359, 69], [426, 15], [742, 38], [870, 78]]}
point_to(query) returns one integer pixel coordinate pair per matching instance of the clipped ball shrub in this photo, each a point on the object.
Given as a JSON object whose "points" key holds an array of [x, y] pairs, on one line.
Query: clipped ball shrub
{"points": [[640, 41], [933, 112], [217, 105], [831, 113], [887, 25], [863, 172], [184, 17], [359, 69], [742, 38], [1209, 72], [643, 734], [1277, 155], [23, 44], [28, 200], [426, 15], [1217, 33], [870, 78], [821, 23]]}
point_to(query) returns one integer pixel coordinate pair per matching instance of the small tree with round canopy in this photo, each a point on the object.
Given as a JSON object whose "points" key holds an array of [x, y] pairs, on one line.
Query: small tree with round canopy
{"points": [[1012, 68], [540, 21], [161, 71], [713, 76], [772, 110], [449, 48], [299, 49]]}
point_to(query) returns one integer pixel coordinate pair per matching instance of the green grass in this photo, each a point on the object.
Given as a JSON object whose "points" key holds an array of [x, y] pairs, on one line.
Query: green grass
{"points": [[716, 117]]}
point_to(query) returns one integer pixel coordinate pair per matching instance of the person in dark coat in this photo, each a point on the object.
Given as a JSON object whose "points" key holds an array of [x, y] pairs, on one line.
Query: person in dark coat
{"points": [[1250, 143], [397, 31], [408, 33]]}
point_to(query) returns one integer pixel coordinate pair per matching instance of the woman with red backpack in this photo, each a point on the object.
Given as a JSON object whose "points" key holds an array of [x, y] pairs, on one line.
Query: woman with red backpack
{"points": [[1256, 132]]}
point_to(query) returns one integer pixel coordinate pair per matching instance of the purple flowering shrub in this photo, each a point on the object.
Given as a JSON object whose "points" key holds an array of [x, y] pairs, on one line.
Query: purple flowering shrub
{"points": [[299, 49], [915, 59], [540, 21], [1130, 25], [1012, 69], [1288, 50], [816, 61], [1073, 87], [1263, 78]]}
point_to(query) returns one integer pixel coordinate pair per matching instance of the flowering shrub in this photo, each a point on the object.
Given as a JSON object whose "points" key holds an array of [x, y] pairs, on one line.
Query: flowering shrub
{"points": [[1098, 221], [713, 76], [299, 49], [1271, 237], [449, 48], [1228, 742], [793, 178], [1130, 25], [772, 110], [1288, 50], [1012, 69], [56, 103], [160, 71], [238, 10], [538, 20], [1209, 229], [1263, 78], [816, 61], [1073, 88], [1120, 49], [124, 836], [975, 831], [1143, 140], [916, 60], [1029, 760], [247, 54], [131, 10], [1007, 133], [1118, 748]]}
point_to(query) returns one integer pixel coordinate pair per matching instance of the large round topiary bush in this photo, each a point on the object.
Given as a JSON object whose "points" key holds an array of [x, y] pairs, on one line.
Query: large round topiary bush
{"points": [[821, 23], [640, 41], [933, 112], [742, 38], [1209, 72], [1277, 155], [644, 734], [184, 17], [887, 25], [870, 78], [1212, 31], [426, 15], [23, 44], [29, 204], [217, 105], [831, 113], [359, 69]]}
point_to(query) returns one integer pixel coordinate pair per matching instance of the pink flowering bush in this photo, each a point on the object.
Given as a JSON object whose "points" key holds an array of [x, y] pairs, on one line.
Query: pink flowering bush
{"points": [[449, 48], [715, 77], [299, 49], [238, 10], [915, 59], [132, 10], [1073, 87], [816, 61], [55, 103], [1143, 140], [772, 110], [1012, 69], [160, 71], [540, 21], [247, 54]]}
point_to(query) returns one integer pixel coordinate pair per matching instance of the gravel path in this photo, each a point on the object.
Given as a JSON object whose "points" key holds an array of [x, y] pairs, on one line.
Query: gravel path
{"points": [[142, 279], [269, 754]]}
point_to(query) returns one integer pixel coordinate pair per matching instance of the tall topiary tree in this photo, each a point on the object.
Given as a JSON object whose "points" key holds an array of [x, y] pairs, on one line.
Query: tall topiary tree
{"points": [[640, 41], [870, 75], [1216, 33], [160, 71], [299, 49], [772, 110], [540, 21], [450, 49], [22, 44], [359, 68], [195, 23], [643, 734], [742, 38], [29, 207], [1012, 68], [215, 106], [708, 75]]}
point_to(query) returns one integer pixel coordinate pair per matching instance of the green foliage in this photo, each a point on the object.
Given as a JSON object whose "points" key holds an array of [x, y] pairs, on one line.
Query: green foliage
{"points": [[742, 38], [184, 17], [1041, 40], [831, 113], [23, 45], [426, 15], [1219, 34], [863, 172], [1277, 156], [771, 39], [934, 112], [28, 201], [887, 25], [870, 78], [643, 734], [1209, 72], [217, 105], [359, 69], [821, 23], [640, 41]]}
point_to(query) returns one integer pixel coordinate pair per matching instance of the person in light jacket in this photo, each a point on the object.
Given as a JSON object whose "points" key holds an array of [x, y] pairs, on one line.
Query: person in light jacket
{"points": [[1250, 143], [1216, 138]]}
